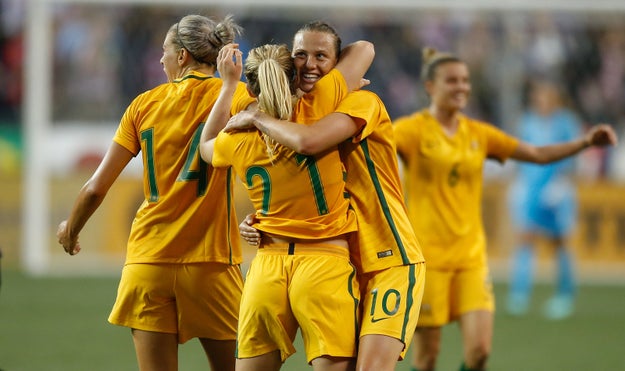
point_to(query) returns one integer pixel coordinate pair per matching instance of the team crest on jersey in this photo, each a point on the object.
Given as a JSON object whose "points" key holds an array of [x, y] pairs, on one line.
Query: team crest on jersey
{"points": [[431, 143], [384, 254]]}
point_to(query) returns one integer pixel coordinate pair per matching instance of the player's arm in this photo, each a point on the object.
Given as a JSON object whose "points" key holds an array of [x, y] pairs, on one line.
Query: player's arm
{"points": [[599, 135], [229, 65], [325, 133], [354, 61], [91, 196]]}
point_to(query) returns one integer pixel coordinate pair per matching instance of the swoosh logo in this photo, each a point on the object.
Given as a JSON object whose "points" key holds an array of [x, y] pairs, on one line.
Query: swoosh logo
{"points": [[374, 320]]}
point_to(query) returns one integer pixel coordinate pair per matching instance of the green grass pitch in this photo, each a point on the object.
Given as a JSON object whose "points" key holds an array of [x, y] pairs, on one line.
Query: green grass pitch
{"points": [[49, 324]]}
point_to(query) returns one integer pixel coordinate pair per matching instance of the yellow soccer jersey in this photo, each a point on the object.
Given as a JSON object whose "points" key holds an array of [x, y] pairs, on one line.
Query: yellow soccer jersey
{"points": [[443, 184], [385, 237], [188, 215], [294, 195], [322, 99]]}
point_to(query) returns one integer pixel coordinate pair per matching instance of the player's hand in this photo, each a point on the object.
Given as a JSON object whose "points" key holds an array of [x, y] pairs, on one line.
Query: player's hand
{"points": [[71, 246], [364, 82], [243, 120], [250, 234], [601, 135], [230, 63]]}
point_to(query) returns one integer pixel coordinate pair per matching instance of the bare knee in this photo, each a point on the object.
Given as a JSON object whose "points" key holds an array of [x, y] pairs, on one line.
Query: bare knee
{"points": [[426, 361], [477, 332], [426, 348], [476, 355]]}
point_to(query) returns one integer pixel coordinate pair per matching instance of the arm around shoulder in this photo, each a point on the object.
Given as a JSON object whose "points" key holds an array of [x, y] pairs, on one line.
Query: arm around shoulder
{"points": [[312, 139], [354, 62]]}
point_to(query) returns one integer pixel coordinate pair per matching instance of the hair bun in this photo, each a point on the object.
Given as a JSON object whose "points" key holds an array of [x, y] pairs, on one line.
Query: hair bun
{"points": [[428, 53]]}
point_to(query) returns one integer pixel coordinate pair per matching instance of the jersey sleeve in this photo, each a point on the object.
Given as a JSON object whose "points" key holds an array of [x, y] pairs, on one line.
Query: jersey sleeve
{"points": [[223, 150], [224, 145], [366, 109], [126, 134], [241, 99], [328, 92], [406, 136], [499, 145]]}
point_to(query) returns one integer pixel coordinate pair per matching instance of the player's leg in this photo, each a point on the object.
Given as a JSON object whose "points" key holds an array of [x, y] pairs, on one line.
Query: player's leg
{"points": [[220, 353], [324, 296], [521, 277], [267, 326], [474, 304], [561, 304], [523, 210], [265, 362], [208, 296], [378, 352], [435, 312], [477, 333], [327, 363], [391, 301], [146, 303], [564, 215], [565, 285], [426, 347], [156, 351]]}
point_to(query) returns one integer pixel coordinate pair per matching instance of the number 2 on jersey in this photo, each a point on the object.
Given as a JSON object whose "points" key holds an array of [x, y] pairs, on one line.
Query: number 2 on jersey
{"points": [[313, 175]]}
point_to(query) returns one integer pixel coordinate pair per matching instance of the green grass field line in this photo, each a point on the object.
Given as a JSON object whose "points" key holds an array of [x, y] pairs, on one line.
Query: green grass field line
{"points": [[49, 324]]}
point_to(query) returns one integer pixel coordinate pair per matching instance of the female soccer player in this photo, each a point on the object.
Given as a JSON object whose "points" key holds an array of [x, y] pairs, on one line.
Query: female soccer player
{"points": [[443, 152], [301, 275], [543, 202], [181, 279], [384, 249]]}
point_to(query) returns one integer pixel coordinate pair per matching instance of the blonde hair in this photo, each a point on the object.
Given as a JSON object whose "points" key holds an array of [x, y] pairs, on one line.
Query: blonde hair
{"points": [[269, 71], [203, 37], [431, 59]]}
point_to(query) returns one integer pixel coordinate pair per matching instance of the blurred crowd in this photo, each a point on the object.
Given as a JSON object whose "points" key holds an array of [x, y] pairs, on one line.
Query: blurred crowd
{"points": [[11, 59], [105, 55]]}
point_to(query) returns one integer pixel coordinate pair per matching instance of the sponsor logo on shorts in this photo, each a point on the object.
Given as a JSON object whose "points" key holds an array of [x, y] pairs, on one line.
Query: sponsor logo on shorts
{"points": [[384, 254], [426, 308]]}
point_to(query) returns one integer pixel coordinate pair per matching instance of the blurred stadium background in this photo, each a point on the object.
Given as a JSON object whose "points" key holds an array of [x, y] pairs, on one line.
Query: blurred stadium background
{"points": [[68, 69]]}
